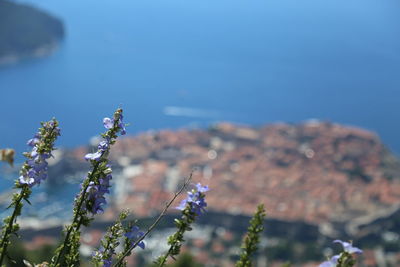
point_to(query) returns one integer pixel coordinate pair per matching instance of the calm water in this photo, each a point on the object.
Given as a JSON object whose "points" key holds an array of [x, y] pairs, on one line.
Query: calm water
{"points": [[172, 63]]}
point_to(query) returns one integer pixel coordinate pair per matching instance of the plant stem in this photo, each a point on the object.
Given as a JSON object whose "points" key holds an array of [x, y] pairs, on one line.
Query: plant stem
{"points": [[155, 223], [76, 216], [4, 241], [165, 257]]}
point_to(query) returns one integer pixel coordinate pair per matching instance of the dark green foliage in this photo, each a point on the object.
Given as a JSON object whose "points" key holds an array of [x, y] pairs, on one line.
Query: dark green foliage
{"points": [[19, 253], [184, 260], [346, 260], [252, 238], [24, 29], [293, 251], [359, 173], [390, 165], [284, 250]]}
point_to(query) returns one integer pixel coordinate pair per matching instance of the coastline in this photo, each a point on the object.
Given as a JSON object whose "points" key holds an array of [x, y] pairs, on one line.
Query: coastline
{"points": [[27, 32], [40, 52]]}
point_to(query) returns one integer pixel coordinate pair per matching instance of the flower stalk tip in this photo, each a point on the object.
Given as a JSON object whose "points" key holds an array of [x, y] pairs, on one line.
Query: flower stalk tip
{"points": [[345, 258]]}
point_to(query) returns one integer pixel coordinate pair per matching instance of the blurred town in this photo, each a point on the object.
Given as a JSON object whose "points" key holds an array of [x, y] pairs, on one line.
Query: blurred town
{"points": [[318, 180]]}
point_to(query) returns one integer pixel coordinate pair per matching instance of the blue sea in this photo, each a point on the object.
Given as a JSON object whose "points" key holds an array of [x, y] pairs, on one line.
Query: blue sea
{"points": [[191, 63], [180, 63]]}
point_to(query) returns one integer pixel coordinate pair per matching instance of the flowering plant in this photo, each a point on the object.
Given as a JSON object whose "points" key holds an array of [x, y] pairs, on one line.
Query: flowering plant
{"points": [[32, 173], [345, 258]]}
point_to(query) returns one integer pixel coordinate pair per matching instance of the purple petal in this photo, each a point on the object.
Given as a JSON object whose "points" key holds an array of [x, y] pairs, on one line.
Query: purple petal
{"points": [[355, 250], [123, 129], [327, 264], [103, 145], [32, 142], [141, 244], [182, 205], [93, 156], [202, 189], [348, 247], [108, 123], [107, 263], [38, 166], [330, 263], [26, 180], [134, 235], [34, 153]]}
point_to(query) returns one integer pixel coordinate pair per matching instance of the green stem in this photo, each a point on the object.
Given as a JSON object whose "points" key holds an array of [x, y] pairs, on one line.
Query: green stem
{"points": [[4, 241], [162, 214], [165, 257], [46, 145], [76, 217]]}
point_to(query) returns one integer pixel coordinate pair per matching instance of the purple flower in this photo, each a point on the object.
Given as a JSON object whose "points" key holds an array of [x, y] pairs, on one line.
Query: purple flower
{"points": [[36, 165], [103, 145], [201, 188], [35, 140], [108, 123], [94, 156], [134, 235], [102, 148], [96, 194], [107, 263], [348, 247], [34, 152], [121, 125], [182, 205], [199, 205], [195, 199], [25, 179], [36, 173], [100, 186], [330, 263]]}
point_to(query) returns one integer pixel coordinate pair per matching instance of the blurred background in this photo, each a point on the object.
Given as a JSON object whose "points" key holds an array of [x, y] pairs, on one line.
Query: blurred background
{"points": [[289, 103]]}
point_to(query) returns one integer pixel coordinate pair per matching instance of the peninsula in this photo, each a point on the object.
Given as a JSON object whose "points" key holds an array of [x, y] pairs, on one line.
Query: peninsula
{"points": [[26, 32]]}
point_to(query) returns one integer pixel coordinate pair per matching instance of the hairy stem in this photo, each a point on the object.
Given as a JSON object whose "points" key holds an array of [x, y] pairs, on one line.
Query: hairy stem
{"points": [[77, 217], [165, 257], [155, 223], [4, 241]]}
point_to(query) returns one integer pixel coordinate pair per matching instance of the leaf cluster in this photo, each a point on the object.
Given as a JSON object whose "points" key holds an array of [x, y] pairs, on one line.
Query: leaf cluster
{"points": [[252, 238]]}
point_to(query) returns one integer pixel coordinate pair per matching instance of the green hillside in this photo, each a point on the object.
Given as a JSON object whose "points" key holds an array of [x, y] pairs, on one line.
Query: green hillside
{"points": [[26, 31]]}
